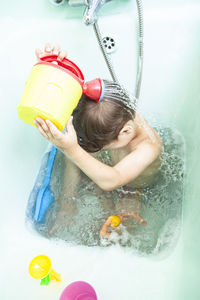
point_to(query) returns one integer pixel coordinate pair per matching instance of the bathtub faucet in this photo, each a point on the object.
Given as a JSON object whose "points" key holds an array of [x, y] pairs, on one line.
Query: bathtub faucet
{"points": [[90, 15], [92, 8]]}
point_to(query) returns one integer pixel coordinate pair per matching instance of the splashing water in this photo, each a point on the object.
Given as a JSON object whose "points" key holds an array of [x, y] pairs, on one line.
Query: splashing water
{"points": [[116, 92], [79, 219]]}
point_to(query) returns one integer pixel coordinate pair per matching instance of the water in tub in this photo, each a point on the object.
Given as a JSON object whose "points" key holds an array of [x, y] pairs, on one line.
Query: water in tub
{"points": [[90, 207]]}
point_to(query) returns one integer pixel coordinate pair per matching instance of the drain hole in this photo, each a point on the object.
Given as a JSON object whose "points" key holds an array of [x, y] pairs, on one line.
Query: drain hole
{"points": [[109, 43]]}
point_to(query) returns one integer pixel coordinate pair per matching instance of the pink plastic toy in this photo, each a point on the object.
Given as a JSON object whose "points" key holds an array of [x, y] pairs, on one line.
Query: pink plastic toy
{"points": [[79, 290]]}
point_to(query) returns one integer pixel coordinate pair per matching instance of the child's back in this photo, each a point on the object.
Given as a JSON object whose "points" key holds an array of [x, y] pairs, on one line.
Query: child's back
{"points": [[134, 145], [144, 134]]}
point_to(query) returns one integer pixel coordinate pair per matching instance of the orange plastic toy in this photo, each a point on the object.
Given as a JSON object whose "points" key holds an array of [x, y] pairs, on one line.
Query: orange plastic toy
{"points": [[114, 221]]}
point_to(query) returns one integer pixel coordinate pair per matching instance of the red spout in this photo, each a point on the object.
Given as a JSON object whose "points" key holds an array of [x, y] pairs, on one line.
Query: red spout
{"points": [[93, 89]]}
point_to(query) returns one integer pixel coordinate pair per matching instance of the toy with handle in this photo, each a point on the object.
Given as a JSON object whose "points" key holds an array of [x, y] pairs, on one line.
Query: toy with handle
{"points": [[53, 90], [45, 196], [114, 221], [40, 268]]}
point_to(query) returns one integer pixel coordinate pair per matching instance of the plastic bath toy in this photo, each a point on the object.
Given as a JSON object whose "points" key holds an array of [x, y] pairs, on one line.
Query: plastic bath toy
{"points": [[54, 89], [114, 221], [45, 196], [40, 268], [79, 290]]}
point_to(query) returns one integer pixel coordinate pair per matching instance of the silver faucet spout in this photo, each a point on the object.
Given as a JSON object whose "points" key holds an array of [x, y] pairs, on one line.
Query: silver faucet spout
{"points": [[78, 2], [91, 11], [92, 8]]}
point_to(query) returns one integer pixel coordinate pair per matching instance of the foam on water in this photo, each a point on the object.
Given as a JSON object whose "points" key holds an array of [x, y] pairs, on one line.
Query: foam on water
{"points": [[80, 222]]}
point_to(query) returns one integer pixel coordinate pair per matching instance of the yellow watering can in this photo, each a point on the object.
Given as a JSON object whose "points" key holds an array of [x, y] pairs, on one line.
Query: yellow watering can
{"points": [[52, 91], [40, 268]]}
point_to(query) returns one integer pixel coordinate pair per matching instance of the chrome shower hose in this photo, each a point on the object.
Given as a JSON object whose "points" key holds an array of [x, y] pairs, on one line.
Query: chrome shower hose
{"points": [[140, 52]]}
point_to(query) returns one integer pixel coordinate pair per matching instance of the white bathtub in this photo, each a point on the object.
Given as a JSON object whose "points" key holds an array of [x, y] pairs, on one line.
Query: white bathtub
{"points": [[169, 91]]}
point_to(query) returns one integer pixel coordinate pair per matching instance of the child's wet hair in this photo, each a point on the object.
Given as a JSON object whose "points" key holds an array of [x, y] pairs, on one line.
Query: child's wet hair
{"points": [[98, 124]]}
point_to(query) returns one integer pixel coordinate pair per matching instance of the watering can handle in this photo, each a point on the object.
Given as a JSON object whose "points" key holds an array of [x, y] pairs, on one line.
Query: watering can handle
{"points": [[54, 275], [65, 63]]}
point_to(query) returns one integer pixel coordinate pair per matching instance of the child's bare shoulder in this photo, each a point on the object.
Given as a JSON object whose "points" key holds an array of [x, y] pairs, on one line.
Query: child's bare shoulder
{"points": [[152, 143], [148, 137]]}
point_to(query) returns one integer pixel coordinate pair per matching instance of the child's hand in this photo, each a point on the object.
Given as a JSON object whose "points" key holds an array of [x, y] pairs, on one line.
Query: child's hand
{"points": [[48, 50], [65, 141]]}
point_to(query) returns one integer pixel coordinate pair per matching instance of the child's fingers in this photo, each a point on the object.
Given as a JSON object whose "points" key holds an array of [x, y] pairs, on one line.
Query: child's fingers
{"points": [[41, 122], [40, 129], [69, 126], [62, 54], [38, 53], [57, 134], [48, 49], [44, 127], [56, 49]]}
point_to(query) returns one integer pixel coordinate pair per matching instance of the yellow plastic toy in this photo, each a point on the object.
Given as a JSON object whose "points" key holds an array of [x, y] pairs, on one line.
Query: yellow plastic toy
{"points": [[52, 91], [115, 221], [40, 268]]}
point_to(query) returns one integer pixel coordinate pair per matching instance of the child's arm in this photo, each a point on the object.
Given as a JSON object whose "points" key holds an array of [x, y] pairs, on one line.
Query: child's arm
{"points": [[71, 178], [106, 177], [67, 205], [109, 178]]}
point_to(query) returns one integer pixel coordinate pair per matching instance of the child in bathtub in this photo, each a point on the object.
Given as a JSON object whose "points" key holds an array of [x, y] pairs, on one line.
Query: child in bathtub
{"points": [[134, 146]]}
